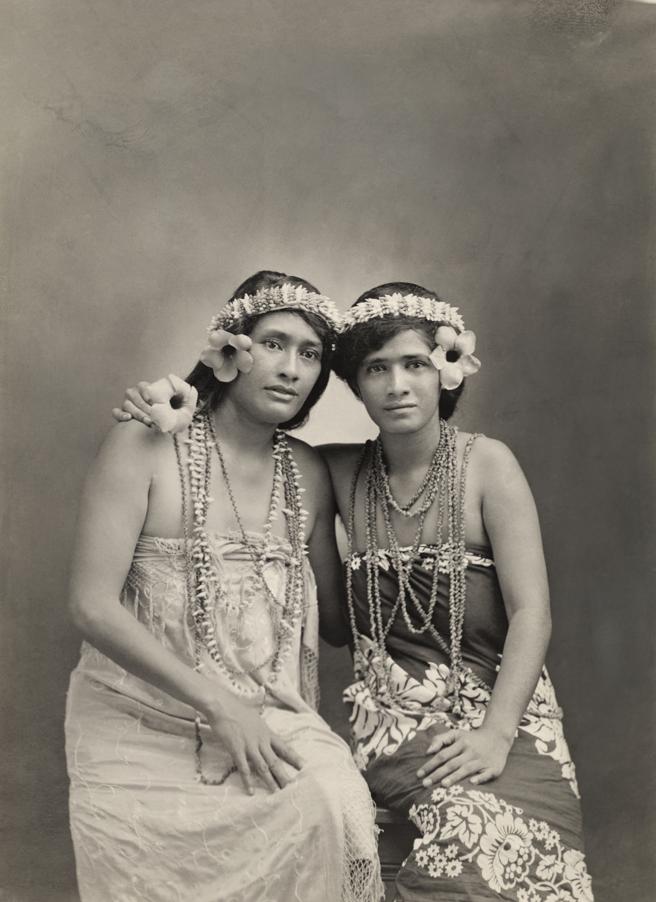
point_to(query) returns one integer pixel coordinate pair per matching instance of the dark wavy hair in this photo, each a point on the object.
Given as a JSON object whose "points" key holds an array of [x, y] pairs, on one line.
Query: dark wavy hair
{"points": [[210, 391], [363, 338]]}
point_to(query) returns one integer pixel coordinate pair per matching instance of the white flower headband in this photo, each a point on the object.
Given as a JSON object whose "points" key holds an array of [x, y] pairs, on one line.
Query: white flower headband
{"points": [[228, 354], [450, 337], [403, 305], [268, 300]]}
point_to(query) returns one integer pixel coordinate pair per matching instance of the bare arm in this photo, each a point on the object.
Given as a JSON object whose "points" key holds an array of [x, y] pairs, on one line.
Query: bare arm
{"points": [[324, 558], [511, 522], [113, 510]]}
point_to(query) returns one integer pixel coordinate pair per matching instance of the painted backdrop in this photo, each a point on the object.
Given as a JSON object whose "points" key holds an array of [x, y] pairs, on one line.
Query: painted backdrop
{"points": [[155, 153]]}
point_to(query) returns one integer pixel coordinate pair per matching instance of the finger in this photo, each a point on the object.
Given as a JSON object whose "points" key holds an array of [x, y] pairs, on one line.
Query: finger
{"points": [[447, 768], [277, 766], [484, 776], [440, 740], [466, 770], [262, 770], [134, 395], [136, 413], [445, 755], [286, 753], [144, 390], [122, 416], [244, 770]]}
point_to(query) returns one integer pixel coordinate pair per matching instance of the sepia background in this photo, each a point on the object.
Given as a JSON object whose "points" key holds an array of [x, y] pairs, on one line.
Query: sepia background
{"points": [[156, 153]]}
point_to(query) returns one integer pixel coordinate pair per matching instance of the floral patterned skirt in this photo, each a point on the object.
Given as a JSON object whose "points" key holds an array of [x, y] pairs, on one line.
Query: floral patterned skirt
{"points": [[518, 837]]}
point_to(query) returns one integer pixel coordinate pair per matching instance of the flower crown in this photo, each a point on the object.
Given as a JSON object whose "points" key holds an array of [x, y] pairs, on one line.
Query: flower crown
{"points": [[403, 305], [268, 300]]}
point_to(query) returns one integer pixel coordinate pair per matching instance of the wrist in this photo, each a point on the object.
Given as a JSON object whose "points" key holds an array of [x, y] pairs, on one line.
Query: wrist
{"points": [[502, 732]]}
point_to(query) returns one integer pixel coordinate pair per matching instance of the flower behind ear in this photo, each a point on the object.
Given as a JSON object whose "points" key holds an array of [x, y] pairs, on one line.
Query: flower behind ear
{"points": [[227, 355], [173, 402], [452, 372]]}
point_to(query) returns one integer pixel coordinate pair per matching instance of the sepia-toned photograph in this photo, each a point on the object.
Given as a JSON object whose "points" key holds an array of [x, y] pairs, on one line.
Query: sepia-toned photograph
{"points": [[328, 482]]}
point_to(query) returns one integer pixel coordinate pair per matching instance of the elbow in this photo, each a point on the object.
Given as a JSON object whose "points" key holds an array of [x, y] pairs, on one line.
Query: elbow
{"points": [[84, 617]]}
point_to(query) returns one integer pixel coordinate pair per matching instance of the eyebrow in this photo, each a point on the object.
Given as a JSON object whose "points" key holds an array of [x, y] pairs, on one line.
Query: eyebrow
{"points": [[369, 360], [277, 333]]}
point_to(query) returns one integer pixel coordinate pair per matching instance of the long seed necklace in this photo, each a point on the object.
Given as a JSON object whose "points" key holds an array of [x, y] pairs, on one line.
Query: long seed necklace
{"points": [[202, 583], [440, 484]]}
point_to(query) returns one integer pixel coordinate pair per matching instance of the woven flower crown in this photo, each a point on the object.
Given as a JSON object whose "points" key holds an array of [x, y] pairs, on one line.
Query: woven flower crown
{"points": [[268, 300], [403, 305], [451, 337]]}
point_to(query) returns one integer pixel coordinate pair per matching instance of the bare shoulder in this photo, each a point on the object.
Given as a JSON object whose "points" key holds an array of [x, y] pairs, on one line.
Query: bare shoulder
{"points": [[133, 448], [309, 461], [490, 452], [493, 466]]}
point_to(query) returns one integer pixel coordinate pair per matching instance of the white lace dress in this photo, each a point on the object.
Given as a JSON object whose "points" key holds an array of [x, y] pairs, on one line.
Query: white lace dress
{"points": [[144, 827]]}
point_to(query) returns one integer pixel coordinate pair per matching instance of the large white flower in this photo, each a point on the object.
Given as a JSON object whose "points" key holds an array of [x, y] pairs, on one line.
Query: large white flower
{"points": [[462, 347], [173, 402], [227, 355], [506, 852]]}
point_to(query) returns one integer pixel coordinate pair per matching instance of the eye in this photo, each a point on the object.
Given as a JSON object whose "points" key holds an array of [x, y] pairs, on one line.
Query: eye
{"points": [[311, 354], [272, 344], [417, 364], [375, 368]]}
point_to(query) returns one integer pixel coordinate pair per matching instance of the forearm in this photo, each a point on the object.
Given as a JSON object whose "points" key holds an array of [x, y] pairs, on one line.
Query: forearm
{"points": [[115, 632], [523, 657]]}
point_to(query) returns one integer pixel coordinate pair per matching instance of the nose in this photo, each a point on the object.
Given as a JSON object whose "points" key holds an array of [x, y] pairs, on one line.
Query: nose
{"points": [[289, 365], [396, 385]]}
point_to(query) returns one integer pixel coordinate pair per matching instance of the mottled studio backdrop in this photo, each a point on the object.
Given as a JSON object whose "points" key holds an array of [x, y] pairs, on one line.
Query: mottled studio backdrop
{"points": [[157, 152]]}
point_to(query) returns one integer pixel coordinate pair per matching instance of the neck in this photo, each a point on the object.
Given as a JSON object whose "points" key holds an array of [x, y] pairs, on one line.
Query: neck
{"points": [[236, 429], [405, 451]]}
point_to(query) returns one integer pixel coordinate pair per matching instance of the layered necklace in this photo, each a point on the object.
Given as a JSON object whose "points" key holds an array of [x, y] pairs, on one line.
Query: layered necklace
{"points": [[203, 586], [440, 489]]}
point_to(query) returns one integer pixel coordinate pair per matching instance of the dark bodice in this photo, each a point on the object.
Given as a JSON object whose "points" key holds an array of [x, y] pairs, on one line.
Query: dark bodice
{"points": [[485, 622]]}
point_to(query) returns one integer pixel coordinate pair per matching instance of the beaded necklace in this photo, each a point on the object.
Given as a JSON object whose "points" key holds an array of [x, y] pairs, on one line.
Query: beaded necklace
{"points": [[202, 580], [440, 484]]}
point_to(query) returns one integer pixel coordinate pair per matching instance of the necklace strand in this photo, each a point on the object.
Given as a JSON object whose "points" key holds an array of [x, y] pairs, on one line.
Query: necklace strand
{"points": [[441, 485], [202, 582]]}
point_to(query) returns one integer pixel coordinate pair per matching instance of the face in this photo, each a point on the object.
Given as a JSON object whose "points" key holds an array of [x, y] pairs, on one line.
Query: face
{"points": [[399, 385], [286, 365]]}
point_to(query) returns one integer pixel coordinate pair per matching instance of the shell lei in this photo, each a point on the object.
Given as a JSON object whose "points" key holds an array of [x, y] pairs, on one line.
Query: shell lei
{"points": [[441, 485], [202, 580]]}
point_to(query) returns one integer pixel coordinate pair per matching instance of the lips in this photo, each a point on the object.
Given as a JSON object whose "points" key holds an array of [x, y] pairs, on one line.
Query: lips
{"points": [[282, 392], [396, 407]]}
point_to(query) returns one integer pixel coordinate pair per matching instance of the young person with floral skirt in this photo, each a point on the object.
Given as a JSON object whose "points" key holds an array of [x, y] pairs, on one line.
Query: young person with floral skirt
{"points": [[199, 767], [454, 718], [455, 722]]}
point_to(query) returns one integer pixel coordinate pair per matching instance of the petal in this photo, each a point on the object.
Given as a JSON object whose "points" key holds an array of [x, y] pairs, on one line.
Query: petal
{"points": [[244, 361], [213, 358], [163, 416], [228, 371], [438, 357], [466, 342], [179, 385], [240, 342], [183, 418], [469, 364], [451, 375], [161, 391], [219, 338], [446, 337]]}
